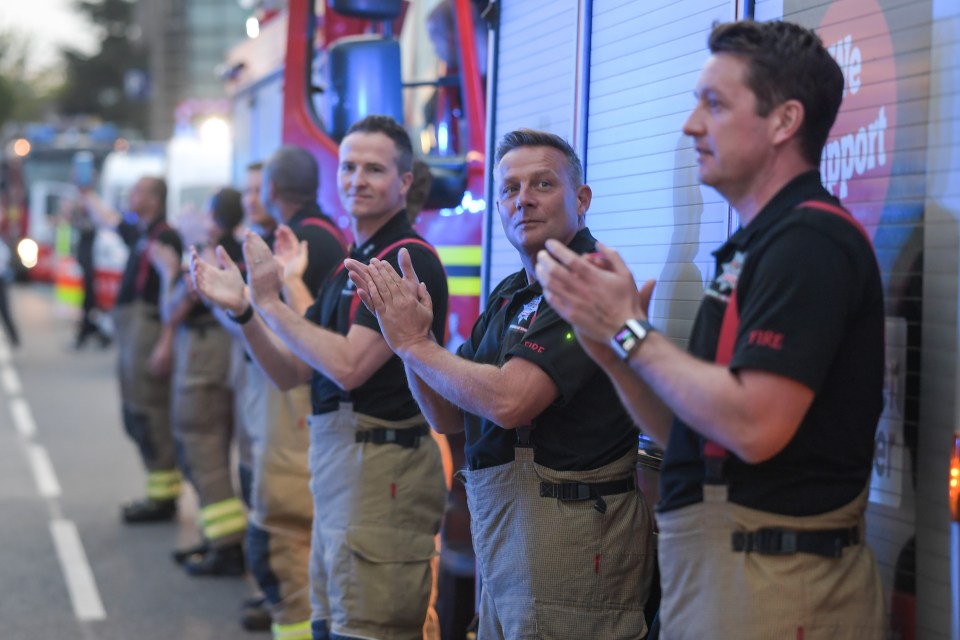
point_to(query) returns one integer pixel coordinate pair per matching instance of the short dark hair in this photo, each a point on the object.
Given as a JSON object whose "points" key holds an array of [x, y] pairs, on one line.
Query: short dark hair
{"points": [[255, 166], [294, 173], [393, 130], [227, 208], [787, 62], [534, 138]]}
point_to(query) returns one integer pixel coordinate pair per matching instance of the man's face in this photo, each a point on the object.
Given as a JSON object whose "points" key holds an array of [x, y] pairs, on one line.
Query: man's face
{"points": [[537, 200], [253, 208], [143, 201], [370, 184], [733, 143]]}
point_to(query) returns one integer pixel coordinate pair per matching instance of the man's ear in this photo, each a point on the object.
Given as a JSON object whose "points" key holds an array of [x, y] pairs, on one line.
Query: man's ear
{"points": [[584, 197], [787, 120]]}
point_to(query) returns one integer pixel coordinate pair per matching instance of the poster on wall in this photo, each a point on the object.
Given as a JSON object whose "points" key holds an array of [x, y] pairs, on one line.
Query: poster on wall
{"points": [[875, 162]]}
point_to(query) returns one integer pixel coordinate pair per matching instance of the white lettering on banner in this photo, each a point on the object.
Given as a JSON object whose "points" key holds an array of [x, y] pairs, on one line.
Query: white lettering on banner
{"points": [[852, 154], [850, 60]]}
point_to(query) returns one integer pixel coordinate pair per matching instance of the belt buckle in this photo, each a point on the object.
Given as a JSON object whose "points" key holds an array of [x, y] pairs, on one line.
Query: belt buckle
{"points": [[775, 542]]}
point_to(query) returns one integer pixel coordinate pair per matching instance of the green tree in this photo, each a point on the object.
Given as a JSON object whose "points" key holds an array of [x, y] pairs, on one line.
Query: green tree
{"points": [[95, 83], [23, 96]]}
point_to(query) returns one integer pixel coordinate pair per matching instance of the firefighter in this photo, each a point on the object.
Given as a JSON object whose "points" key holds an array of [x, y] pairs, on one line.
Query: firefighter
{"points": [[376, 478], [562, 535], [202, 402], [769, 420], [145, 347], [281, 205]]}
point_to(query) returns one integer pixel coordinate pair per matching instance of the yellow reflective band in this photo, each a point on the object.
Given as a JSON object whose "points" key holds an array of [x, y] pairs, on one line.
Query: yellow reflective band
{"points": [[298, 631], [68, 294], [462, 255], [228, 507], [225, 527], [164, 476], [163, 485], [463, 286]]}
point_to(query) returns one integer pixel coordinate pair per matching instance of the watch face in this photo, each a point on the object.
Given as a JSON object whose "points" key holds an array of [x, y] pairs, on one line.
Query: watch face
{"points": [[625, 339]]}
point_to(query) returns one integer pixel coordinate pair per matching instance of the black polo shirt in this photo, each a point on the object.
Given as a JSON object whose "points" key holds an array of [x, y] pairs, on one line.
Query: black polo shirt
{"points": [[811, 309], [386, 394], [587, 426], [140, 280], [324, 250]]}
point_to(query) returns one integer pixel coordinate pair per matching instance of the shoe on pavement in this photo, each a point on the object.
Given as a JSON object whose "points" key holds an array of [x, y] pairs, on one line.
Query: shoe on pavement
{"points": [[147, 510], [255, 615], [182, 555], [218, 561]]}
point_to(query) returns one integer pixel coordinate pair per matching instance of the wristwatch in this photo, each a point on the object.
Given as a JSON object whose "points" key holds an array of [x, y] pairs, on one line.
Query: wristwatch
{"points": [[629, 337]]}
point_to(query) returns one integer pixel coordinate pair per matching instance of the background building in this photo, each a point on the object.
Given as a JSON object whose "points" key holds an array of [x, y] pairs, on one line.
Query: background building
{"points": [[186, 42]]}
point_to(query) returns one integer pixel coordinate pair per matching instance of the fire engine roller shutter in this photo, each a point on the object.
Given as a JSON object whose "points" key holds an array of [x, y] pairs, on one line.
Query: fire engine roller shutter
{"points": [[257, 117], [535, 87], [647, 201]]}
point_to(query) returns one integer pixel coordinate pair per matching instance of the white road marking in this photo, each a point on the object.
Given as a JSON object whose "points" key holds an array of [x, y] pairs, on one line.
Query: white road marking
{"points": [[84, 595], [43, 471], [4, 352], [23, 418], [10, 381]]}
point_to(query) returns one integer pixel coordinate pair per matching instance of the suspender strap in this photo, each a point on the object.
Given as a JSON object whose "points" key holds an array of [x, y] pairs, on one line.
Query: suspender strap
{"points": [[143, 266], [330, 228], [837, 211], [406, 438], [778, 542], [579, 491], [715, 455]]}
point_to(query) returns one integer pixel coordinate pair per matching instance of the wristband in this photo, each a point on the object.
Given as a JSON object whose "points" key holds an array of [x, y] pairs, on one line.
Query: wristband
{"points": [[244, 317], [629, 337]]}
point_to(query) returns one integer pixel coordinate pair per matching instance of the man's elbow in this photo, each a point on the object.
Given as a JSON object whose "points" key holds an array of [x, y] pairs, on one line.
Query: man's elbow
{"points": [[514, 415], [762, 446]]}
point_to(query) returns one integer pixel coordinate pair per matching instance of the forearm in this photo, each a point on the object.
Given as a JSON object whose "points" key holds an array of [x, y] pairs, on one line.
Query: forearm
{"points": [[480, 389], [321, 349], [443, 416], [708, 397], [234, 329], [176, 303], [280, 364], [297, 296]]}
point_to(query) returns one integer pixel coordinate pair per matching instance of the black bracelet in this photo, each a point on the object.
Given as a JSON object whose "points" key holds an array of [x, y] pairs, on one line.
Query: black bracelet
{"points": [[244, 317]]}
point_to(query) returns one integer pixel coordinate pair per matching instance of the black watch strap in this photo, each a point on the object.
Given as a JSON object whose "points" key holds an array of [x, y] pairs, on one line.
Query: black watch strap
{"points": [[244, 317]]}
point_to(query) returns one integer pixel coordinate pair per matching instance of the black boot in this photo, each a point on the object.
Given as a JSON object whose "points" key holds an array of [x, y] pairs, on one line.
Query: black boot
{"points": [[148, 510], [218, 561], [182, 555], [255, 614]]}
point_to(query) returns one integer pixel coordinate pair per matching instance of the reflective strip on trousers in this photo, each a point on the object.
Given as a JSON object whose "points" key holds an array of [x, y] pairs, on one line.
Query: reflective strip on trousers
{"points": [[163, 485], [222, 519], [298, 631], [709, 590]]}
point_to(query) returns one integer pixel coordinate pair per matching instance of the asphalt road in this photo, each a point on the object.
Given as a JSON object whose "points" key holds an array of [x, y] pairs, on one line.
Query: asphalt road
{"points": [[68, 567]]}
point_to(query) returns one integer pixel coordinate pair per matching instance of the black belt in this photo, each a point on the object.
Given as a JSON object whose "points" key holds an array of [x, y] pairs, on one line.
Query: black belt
{"points": [[578, 491], [406, 438], [779, 542]]}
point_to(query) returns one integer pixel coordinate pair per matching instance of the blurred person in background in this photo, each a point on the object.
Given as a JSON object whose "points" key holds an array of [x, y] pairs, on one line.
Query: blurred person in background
{"points": [[145, 346], [202, 399]]}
